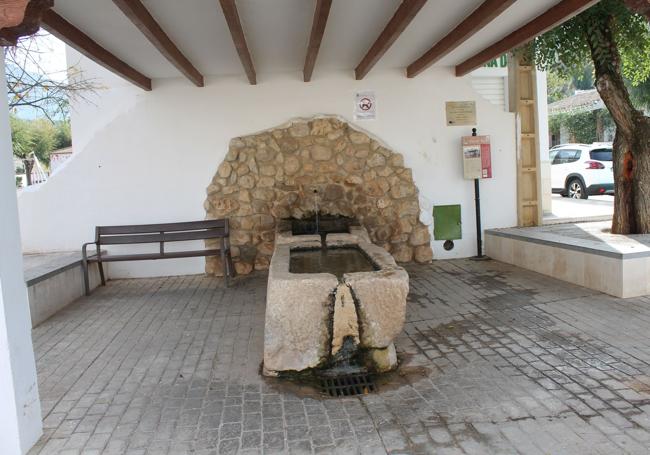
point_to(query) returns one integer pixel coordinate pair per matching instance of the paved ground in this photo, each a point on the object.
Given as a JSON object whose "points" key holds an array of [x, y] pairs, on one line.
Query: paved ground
{"points": [[494, 360], [594, 208]]}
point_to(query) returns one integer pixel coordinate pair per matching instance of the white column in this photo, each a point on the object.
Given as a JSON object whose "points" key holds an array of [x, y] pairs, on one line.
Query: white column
{"points": [[20, 408], [542, 127]]}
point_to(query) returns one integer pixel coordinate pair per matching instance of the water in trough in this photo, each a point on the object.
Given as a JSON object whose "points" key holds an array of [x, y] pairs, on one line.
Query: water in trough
{"points": [[336, 261]]}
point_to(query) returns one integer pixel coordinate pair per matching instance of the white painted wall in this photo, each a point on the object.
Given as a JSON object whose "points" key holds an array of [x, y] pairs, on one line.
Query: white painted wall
{"points": [[148, 157], [20, 409]]}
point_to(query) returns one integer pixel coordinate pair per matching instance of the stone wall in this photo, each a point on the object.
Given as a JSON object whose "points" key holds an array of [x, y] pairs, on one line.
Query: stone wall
{"points": [[274, 174]]}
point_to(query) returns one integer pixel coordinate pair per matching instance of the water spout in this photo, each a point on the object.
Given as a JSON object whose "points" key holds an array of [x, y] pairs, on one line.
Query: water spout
{"points": [[317, 210]]}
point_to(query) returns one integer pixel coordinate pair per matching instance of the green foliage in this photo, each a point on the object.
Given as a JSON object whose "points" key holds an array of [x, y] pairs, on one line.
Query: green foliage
{"points": [[555, 123], [39, 136], [558, 87], [581, 126], [584, 80], [62, 135], [640, 94], [605, 116], [561, 86], [21, 137], [566, 49]]}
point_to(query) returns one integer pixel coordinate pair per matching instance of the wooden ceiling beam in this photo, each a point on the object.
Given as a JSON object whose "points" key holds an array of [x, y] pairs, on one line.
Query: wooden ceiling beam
{"points": [[137, 13], [476, 21], [234, 24], [397, 24], [321, 13], [78, 40], [554, 16]]}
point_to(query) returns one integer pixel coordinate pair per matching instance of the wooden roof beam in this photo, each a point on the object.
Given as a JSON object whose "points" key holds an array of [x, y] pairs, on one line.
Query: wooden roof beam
{"points": [[234, 24], [397, 24], [78, 40], [321, 13], [556, 15], [477, 20], [137, 13]]}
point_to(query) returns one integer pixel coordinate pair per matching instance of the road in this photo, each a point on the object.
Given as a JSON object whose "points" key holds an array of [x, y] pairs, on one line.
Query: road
{"points": [[596, 207]]}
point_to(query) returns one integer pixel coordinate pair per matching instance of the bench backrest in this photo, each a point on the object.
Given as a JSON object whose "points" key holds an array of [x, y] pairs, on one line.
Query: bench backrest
{"points": [[164, 232]]}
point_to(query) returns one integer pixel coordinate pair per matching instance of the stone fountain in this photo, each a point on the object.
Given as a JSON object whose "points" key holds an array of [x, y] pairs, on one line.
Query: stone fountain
{"points": [[335, 301]]}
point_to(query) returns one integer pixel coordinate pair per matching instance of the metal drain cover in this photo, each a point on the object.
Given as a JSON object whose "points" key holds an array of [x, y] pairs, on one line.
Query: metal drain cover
{"points": [[348, 385]]}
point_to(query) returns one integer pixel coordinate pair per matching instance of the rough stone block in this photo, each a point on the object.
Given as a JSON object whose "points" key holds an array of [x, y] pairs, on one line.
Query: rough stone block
{"points": [[346, 323], [298, 309], [382, 360], [380, 298]]}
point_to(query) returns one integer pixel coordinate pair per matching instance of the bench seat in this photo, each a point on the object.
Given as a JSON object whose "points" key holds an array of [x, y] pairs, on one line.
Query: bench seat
{"points": [[161, 234]]}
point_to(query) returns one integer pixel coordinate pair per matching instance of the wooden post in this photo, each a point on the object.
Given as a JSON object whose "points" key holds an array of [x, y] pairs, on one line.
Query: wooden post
{"points": [[523, 102]]}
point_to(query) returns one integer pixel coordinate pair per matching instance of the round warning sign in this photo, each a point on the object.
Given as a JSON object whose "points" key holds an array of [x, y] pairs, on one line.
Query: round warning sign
{"points": [[365, 103], [365, 106]]}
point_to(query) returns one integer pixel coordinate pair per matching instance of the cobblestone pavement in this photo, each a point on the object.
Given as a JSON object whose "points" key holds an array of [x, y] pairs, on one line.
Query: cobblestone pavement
{"points": [[494, 360]]}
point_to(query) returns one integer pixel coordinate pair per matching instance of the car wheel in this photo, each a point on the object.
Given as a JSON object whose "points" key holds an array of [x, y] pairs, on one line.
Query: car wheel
{"points": [[575, 189]]}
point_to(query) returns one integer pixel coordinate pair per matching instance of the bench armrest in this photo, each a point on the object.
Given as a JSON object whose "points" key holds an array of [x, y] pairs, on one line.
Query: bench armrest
{"points": [[84, 254]]}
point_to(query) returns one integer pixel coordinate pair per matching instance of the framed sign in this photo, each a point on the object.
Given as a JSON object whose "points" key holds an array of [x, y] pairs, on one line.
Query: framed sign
{"points": [[365, 105], [461, 113], [477, 159]]}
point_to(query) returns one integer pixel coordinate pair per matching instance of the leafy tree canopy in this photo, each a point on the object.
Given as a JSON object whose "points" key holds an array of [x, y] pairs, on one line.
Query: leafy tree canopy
{"points": [[565, 49], [561, 85], [39, 136]]}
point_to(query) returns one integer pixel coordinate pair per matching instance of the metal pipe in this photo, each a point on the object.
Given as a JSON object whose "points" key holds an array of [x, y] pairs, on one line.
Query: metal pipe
{"points": [[477, 204]]}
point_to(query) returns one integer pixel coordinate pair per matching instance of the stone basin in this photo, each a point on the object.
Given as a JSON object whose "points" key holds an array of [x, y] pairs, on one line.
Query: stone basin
{"points": [[309, 315], [337, 261]]}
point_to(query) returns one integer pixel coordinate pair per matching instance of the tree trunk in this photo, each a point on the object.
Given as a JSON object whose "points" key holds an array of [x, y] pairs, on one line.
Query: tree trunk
{"points": [[632, 140], [600, 127], [28, 164]]}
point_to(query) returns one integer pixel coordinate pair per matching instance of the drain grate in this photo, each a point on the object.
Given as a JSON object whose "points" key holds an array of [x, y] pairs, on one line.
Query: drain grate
{"points": [[348, 385]]}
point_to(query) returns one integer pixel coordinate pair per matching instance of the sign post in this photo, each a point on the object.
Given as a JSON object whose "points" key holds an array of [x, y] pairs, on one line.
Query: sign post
{"points": [[477, 164]]}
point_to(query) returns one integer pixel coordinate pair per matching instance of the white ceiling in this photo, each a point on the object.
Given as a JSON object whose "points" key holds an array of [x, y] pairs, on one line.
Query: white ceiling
{"points": [[277, 32]]}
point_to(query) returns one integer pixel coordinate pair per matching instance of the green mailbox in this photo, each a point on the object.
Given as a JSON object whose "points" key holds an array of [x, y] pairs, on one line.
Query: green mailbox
{"points": [[446, 222]]}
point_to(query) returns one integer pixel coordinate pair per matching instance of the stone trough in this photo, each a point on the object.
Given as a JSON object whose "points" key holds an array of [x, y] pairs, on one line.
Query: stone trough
{"points": [[317, 320]]}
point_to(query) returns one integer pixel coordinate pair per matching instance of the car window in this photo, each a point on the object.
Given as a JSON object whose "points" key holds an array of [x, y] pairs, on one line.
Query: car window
{"points": [[566, 156], [601, 154]]}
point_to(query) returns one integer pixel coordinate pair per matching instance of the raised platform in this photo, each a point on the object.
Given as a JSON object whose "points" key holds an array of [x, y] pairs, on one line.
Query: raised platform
{"points": [[54, 280], [586, 254]]}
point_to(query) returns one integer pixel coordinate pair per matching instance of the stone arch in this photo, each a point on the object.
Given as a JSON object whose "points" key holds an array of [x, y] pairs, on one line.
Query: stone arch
{"points": [[271, 175]]}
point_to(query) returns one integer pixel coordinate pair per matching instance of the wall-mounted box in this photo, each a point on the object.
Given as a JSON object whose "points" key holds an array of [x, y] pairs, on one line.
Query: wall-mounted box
{"points": [[446, 222]]}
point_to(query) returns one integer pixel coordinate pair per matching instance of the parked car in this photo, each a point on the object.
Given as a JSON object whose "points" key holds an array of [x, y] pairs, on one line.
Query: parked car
{"points": [[581, 170]]}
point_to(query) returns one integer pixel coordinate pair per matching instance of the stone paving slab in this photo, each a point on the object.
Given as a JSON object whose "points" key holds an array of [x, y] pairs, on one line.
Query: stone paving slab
{"points": [[494, 359]]}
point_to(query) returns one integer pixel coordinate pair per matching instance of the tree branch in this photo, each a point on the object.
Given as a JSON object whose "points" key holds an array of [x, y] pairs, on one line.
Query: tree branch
{"points": [[50, 92]]}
